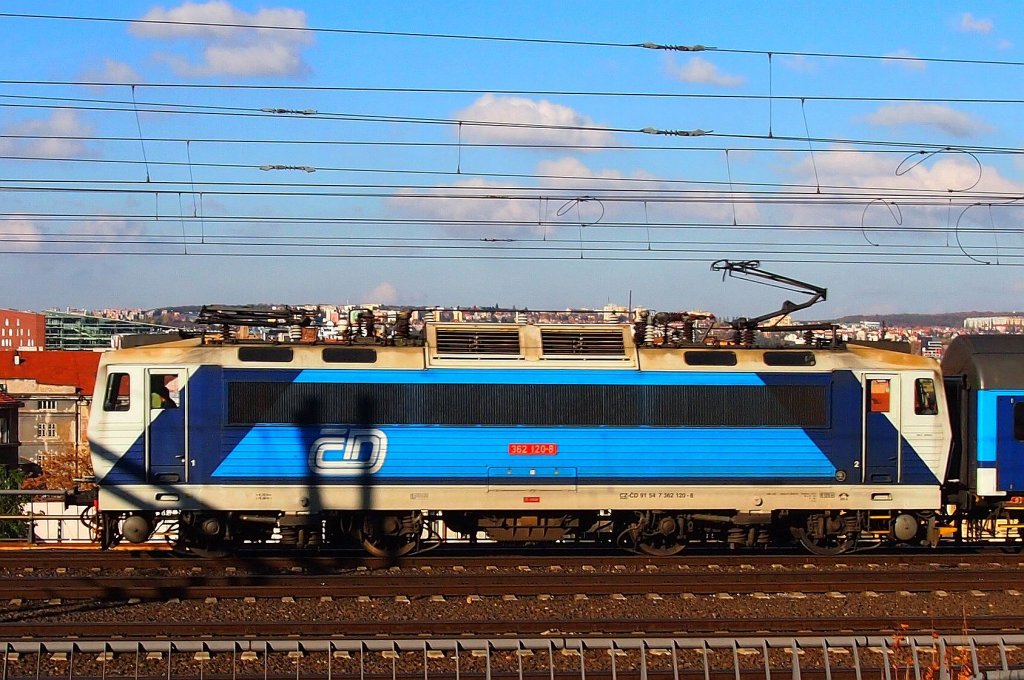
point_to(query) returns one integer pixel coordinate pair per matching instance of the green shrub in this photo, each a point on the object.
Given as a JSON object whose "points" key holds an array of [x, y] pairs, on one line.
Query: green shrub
{"points": [[11, 505]]}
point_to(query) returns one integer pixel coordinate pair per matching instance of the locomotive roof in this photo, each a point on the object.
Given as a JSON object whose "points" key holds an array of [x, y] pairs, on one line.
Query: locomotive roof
{"points": [[986, 362], [489, 346]]}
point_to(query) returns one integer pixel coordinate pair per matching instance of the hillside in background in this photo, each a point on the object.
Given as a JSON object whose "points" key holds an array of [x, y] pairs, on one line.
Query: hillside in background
{"points": [[949, 319]]}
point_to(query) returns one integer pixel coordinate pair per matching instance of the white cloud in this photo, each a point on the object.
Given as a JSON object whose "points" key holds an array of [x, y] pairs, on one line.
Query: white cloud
{"points": [[42, 134], [942, 173], [971, 25], [902, 220], [799, 63], [905, 60], [474, 202], [113, 71], [698, 70], [384, 293], [229, 50], [19, 234], [944, 118], [520, 114], [551, 210]]}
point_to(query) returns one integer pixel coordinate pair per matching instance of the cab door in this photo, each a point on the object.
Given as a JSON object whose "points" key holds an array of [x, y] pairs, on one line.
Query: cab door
{"points": [[881, 428], [167, 419]]}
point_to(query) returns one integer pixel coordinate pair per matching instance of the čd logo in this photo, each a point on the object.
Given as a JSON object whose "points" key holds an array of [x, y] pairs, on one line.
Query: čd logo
{"points": [[349, 452]]}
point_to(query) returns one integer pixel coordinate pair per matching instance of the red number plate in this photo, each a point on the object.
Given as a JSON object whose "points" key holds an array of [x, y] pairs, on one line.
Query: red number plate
{"points": [[533, 449]]}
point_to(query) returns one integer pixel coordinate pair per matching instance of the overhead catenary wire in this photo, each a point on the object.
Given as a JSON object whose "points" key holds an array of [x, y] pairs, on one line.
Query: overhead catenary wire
{"points": [[454, 192], [750, 96], [645, 45], [860, 189], [639, 254], [452, 122], [723, 228]]}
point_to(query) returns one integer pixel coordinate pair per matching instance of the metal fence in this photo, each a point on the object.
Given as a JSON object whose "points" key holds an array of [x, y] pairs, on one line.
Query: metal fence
{"points": [[42, 516], [713, 658]]}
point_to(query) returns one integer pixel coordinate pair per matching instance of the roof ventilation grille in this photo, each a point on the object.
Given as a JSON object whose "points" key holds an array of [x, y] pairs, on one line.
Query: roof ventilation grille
{"points": [[477, 341], [583, 343]]}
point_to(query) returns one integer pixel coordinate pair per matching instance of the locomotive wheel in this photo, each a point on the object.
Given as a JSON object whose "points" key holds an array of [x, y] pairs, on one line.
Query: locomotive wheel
{"points": [[387, 546], [205, 547], [824, 545], [825, 535], [206, 552], [390, 536], [660, 548]]}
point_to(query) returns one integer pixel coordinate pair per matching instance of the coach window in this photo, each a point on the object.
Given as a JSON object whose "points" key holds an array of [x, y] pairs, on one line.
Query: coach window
{"points": [[925, 403], [1018, 421], [117, 396], [879, 391]]}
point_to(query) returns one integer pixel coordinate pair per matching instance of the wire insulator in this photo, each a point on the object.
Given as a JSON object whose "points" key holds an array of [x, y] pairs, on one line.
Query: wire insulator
{"points": [[688, 330]]}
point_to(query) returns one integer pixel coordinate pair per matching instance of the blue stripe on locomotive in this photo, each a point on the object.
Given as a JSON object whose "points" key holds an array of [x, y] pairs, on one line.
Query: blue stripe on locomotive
{"points": [[598, 454]]}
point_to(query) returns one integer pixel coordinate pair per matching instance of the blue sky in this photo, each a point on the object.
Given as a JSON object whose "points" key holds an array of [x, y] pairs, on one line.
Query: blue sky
{"points": [[439, 170]]}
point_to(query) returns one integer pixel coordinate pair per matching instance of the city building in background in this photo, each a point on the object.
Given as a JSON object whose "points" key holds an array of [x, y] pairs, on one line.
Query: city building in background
{"points": [[21, 330], [55, 390], [8, 429], [995, 324], [78, 331]]}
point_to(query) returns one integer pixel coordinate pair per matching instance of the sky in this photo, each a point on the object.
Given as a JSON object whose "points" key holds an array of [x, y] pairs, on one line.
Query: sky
{"points": [[521, 154]]}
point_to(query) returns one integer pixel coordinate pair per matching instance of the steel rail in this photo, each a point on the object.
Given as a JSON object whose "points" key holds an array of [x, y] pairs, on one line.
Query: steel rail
{"points": [[41, 558], [526, 584], [850, 625]]}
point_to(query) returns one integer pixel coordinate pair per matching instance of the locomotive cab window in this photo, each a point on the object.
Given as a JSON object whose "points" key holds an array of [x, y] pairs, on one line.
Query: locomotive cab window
{"points": [[117, 395], [925, 403], [879, 393], [163, 390]]}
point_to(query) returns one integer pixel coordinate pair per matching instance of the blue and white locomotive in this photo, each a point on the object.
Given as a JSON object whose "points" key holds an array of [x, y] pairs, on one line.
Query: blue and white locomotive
{"points": [[523, 433]]}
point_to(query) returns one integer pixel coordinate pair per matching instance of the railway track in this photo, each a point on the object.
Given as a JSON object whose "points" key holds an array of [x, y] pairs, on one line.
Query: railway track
{"points": [[259, 561], [159, 596], [725, 626], [505, 584]]}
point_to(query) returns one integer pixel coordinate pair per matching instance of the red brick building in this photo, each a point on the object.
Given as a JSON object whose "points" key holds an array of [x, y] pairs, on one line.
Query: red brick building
{"points": [[22, 330]]}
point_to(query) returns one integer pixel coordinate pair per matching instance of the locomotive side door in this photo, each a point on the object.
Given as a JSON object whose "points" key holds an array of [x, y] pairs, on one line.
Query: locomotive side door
{"points": [[166, 411], [881, 428]]}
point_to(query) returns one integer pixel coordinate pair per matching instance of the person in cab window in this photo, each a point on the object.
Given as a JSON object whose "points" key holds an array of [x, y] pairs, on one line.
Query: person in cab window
{"points": [[161, 397]]}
